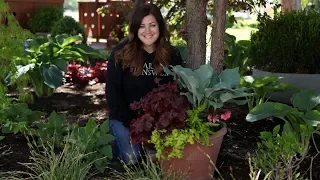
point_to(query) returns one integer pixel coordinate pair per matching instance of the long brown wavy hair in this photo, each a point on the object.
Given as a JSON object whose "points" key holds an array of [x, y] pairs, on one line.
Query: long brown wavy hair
{"points": [[131, 55]]}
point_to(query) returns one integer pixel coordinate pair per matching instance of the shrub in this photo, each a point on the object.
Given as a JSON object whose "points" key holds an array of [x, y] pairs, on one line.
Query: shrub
{"points": [[288, 43], [67, 25], [12, 35], [44, 19]]}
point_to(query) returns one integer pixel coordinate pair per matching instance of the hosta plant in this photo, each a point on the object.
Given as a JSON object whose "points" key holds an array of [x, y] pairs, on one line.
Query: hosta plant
{"points": [[54, 130], [206, 92], [305, 110], [97, 140], [17, 117], [263, 88], [44, 60], [280, 153]]}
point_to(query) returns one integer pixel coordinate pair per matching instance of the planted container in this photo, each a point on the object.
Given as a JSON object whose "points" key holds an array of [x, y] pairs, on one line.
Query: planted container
{"points": [[198, 162]]}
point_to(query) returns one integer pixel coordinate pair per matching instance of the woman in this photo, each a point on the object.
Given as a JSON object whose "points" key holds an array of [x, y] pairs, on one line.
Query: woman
{"points": [[133, 68]]}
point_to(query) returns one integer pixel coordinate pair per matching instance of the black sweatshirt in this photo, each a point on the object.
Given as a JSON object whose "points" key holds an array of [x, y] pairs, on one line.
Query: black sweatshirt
{"points": [[123, 88]]}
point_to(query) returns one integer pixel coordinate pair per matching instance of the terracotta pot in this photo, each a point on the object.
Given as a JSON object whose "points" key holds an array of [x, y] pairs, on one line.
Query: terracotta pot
{"points": [[199, 160]]}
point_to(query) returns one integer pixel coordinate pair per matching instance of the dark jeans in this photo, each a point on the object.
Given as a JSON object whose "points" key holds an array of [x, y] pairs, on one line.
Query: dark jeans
{"points": [[122, 148]]}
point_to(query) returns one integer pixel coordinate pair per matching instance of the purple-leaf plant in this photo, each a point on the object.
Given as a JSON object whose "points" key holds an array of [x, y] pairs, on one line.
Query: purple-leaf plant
{"points": [[162, 108]]}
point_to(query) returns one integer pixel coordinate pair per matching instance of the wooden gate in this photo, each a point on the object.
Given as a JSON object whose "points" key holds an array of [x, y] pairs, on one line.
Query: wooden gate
{"points": [[98, 25]]}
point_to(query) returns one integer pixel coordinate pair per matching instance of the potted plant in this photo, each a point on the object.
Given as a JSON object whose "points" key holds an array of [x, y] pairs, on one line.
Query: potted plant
{"points": [[182, 119]]}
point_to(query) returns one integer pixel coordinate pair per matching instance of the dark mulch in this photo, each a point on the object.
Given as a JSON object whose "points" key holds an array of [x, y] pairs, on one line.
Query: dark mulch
{"points": [[80, 104]]}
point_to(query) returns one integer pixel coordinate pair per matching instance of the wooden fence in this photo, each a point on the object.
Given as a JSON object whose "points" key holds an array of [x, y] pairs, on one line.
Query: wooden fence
{"points": [[99, 26]]}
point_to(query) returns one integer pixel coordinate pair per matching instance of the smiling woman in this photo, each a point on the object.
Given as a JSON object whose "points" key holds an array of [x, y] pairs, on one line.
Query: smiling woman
{"points": [[148, 33], [135, 67]]}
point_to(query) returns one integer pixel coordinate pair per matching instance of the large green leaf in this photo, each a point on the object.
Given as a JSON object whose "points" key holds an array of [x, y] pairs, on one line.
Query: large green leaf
{"points": [[44, 45], [179, 68], [214, 79], [104, 127], [6, 129], [264, 81], [306, 99], [91, 127], [72, 39], [106, 151], [287, 127], [53, 50], [216, 105], [68, 54], [169, 72], [183, 74], [190, 81], [61, 64], [105, 139], [34, 116], [31, 46], [60, 38], [230, 77], [247, 79], [21, 70], [56, 120], [85, 49], [217, 89], [51, 74], [312, 117], [268, 109], [225, 97], [48, 53], [42, 40], [204, 75]]}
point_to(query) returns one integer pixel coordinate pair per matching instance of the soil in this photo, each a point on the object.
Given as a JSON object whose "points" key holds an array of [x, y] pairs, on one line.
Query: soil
{"points": [[80, 104]]}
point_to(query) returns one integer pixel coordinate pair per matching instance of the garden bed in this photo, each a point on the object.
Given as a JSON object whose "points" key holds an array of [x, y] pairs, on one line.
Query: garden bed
{"points": [[80, 104]]}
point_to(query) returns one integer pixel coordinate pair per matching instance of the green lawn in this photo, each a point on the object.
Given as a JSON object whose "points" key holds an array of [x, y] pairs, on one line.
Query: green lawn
{"points": [[241, 33]]}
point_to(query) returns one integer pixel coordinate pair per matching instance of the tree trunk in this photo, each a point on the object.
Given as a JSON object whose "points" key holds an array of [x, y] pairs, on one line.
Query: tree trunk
{"points": [[289, 5], [218, 34], [196, 25]]}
